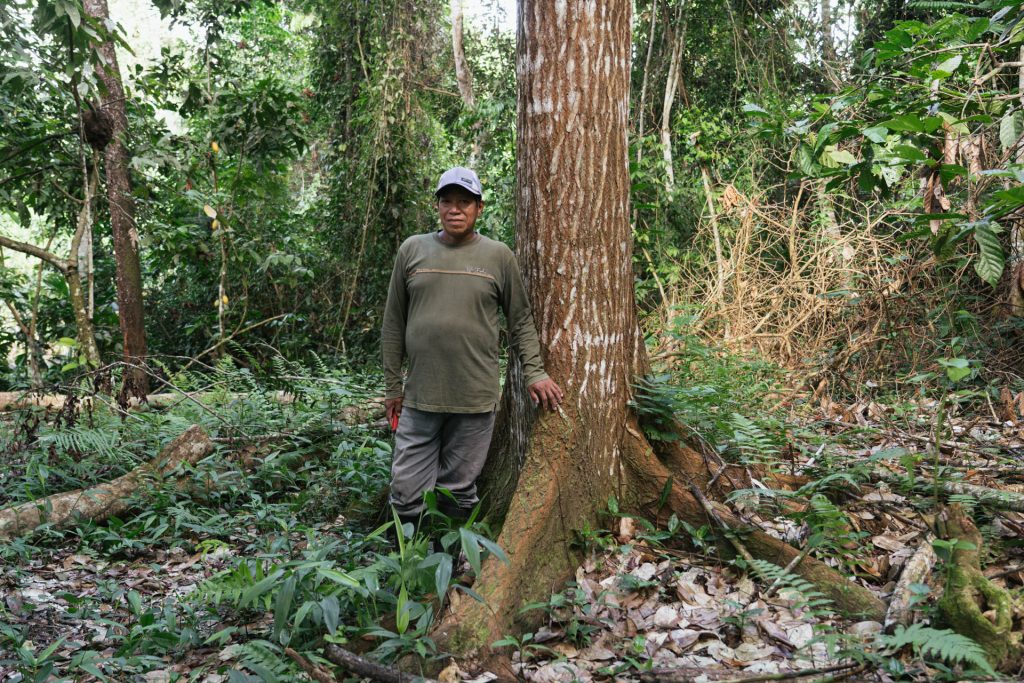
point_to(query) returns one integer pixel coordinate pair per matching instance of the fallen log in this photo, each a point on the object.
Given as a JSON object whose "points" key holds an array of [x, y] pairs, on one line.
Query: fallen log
{"points": [[350, 414], [915, 571], [108, 499], [996, 498]]}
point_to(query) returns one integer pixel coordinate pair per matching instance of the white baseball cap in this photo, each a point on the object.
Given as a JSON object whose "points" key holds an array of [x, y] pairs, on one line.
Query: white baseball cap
{"points": [[461, 176]]}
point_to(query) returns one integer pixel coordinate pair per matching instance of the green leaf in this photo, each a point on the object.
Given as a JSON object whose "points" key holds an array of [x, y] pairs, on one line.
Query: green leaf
{"points": [[332, 613], [956, 368], [754, 110], [909, 152], [947, 67], [340, 578], [72, 11], [283, 608], [990, 261], [443, 576], [1009, 129], [470, 547], [908, 123], [841, 156], [402, 611], [876, 134], [805, 160]]}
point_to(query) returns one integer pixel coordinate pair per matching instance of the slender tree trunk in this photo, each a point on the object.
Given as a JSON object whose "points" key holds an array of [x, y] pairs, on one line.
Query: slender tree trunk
{"points": [[575, 249], [828, 47], [671, 84], [462, 73], [640, 113], [716, 235], [122, 213], [464, 76]]}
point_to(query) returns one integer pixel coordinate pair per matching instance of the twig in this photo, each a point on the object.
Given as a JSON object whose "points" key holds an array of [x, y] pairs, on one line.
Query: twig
{"points": [[372, 670], [736, 543], [789, 568]]}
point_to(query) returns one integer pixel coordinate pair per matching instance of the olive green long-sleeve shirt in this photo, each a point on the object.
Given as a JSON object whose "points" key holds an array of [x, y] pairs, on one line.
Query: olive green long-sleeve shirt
{"points": [[442, 315]]}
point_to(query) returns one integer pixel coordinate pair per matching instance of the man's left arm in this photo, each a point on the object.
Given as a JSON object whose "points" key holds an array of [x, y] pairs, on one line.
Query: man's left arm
{"points": [[522, 334]]}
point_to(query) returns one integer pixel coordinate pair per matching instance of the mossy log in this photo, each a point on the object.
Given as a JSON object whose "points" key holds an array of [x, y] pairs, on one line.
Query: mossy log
{"points": [[104, 500], [972, 605]]}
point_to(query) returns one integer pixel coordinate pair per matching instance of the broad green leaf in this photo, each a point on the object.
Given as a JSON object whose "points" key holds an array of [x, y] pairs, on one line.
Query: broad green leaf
{"points": [[470, 547], [754, 110], [443, 576], [841, 156], [876, 134], [1009, 129], [402, 611], [283, 608], [805, 160], [909, 152], [990, 261], [340, 578], [332, 612], [946, 68], [908, 123], [73, 14]]}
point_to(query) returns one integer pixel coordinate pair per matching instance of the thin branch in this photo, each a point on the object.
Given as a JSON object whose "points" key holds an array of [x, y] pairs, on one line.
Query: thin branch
{"points": [[32, 250]]}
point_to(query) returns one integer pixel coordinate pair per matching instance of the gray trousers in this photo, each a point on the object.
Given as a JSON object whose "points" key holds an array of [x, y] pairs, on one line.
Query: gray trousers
{"points": [[438, 450]]}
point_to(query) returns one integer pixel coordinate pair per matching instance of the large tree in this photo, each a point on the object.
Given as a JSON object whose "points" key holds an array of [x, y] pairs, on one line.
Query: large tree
{"points": [[122, 210], [551, 474]]}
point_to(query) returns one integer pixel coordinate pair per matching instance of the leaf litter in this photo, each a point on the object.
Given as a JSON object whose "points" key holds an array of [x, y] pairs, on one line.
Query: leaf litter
{"points": [[637, 610]]}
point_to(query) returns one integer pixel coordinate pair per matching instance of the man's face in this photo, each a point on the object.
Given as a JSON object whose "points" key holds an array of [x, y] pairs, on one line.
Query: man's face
{"points": [[458, 210]]}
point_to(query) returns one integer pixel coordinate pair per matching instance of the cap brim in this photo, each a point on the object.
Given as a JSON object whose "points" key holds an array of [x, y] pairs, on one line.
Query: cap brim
{"points": [[438, 191]]}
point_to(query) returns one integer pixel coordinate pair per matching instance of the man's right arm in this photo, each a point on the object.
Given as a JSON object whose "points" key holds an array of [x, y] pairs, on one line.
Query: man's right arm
{"points": [[392, 338]]}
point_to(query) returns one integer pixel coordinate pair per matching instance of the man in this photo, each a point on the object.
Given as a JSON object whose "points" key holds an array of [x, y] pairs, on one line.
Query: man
{"points": [[442, 315]]}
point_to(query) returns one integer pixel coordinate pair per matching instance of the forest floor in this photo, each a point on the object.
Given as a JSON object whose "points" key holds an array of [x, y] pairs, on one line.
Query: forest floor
{"points": [[211, 587]]}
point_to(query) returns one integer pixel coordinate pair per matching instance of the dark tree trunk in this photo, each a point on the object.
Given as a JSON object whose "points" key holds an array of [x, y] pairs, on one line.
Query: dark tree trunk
{"points": [[122, 214]]}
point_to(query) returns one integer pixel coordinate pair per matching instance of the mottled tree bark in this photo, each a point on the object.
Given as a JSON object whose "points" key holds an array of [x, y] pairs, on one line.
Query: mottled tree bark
{"points": [[575, 249], [122, 213]]}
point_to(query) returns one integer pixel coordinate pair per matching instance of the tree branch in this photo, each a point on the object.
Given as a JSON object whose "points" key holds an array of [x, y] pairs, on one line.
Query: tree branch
{"points": [[32, 250]]}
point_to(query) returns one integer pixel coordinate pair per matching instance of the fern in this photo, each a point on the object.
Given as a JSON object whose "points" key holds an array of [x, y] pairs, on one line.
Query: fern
{"points": [[268, 661], [942, 643], [752, 440], [808, 598]]}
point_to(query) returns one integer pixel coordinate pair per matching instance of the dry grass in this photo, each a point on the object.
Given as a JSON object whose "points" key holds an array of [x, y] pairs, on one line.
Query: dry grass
{"points": [[832, 299]]}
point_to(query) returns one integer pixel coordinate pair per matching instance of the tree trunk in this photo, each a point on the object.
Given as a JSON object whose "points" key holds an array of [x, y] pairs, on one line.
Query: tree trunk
{"points": [[575, 249], [465, 78], [122, 213], [671, 84], [462, 73], [640, 113], [828, 46]]}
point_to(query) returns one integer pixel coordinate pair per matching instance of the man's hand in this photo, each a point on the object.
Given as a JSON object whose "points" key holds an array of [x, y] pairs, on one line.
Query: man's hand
{"points": [[393, 409], [546, 393]]}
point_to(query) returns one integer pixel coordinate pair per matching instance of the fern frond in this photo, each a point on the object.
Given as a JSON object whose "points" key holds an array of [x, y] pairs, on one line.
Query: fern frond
{"points": [[942, 643]]}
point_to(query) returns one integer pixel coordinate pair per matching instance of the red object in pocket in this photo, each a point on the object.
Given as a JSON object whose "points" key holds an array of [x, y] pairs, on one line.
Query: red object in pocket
{"points": [[394, 422]]}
